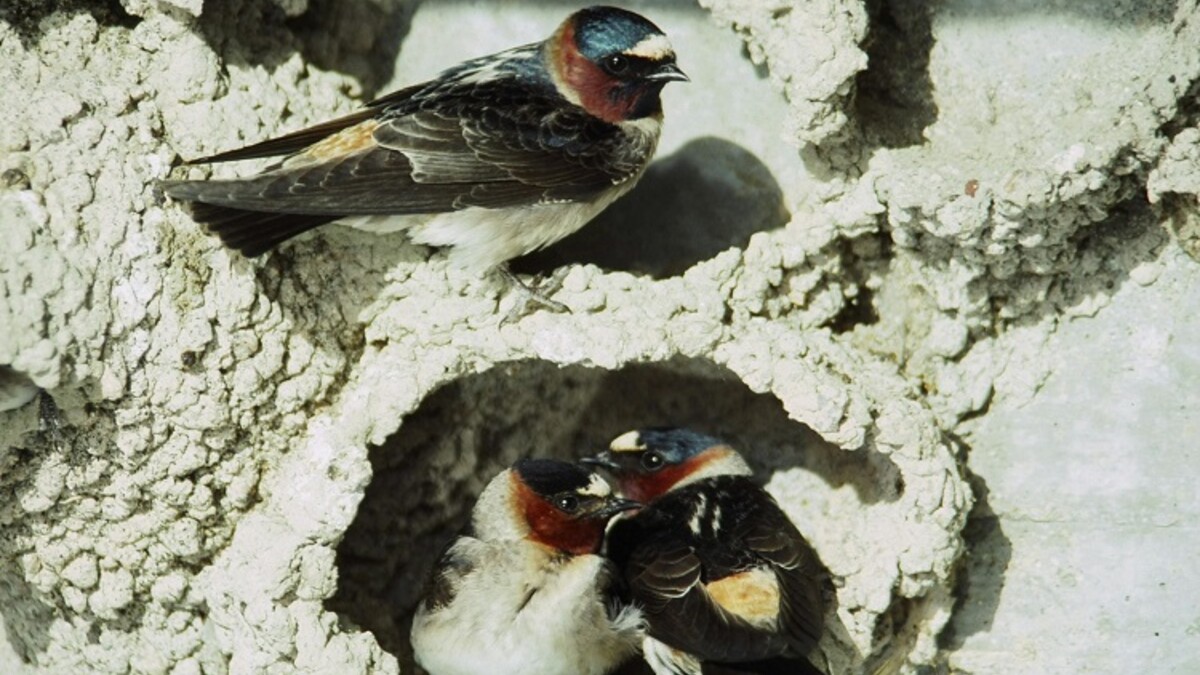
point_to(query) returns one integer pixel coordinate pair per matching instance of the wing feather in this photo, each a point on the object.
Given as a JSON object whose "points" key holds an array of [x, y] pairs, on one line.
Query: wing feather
{"points": [[288, 143], [804, 582], [669, 565], [426, 162], [667, 580]]}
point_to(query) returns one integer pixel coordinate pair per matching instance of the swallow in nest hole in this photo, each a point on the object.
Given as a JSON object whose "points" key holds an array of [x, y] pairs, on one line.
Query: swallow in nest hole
{"points": [[523, 590], [725, 579]]}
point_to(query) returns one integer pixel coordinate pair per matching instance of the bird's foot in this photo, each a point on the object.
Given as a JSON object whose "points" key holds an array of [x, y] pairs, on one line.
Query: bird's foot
{"points": [[535, 293]]}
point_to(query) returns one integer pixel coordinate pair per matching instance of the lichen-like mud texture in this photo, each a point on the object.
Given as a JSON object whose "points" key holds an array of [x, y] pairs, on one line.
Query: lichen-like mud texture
{"points": [[866, 224]]}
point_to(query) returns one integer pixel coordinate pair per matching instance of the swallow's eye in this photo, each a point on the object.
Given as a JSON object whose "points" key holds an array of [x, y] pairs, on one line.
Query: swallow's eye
{"points": [[567, 503], [652, 461], [616, 64]]}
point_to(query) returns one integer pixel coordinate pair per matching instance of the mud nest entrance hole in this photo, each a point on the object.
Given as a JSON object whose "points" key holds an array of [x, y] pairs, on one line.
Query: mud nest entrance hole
{"points": [[428, 474]]}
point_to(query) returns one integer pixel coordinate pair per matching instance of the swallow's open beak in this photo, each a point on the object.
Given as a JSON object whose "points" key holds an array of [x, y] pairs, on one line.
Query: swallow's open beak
{"points": [[667, 72], [603, 460], [614, 505]]}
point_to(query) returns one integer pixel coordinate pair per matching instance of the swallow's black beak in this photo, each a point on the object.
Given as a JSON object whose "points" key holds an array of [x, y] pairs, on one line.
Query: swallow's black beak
{"points": [[614, 505], [667, 72], [603, 460]]}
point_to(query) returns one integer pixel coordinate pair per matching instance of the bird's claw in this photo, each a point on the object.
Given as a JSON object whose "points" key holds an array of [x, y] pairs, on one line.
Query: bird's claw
{"points": [[535, 293]]}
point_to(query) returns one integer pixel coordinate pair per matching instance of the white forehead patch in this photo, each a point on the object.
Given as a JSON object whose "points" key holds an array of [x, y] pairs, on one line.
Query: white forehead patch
{"points": [[655, 47], [597, 487], [626, 442]]}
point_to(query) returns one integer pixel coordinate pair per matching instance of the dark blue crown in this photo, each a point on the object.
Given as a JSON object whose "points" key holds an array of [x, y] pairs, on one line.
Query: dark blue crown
{"points": [[675, 444], [601, 31]]}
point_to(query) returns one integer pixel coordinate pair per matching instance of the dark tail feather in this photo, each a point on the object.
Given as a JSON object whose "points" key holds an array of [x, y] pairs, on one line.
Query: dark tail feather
{"points": [[253, 233]]}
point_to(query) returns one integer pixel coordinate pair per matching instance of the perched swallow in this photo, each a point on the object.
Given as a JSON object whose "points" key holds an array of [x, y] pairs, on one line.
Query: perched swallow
{"points": [[722, 574], [496, 157], [523, 591]]}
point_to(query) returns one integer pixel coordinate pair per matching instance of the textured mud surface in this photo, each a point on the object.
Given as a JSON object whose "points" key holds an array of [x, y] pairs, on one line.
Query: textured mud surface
{"points": [[868, 225]]}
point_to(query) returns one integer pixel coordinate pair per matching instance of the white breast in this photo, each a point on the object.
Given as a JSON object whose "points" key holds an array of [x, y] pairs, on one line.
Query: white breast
{"points": [[481, 239], [514, 614]]}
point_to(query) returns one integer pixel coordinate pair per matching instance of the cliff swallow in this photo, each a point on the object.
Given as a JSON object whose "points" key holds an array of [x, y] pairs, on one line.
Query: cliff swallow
{"points": [[494, 158], [722, 574], [523, 590]]}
